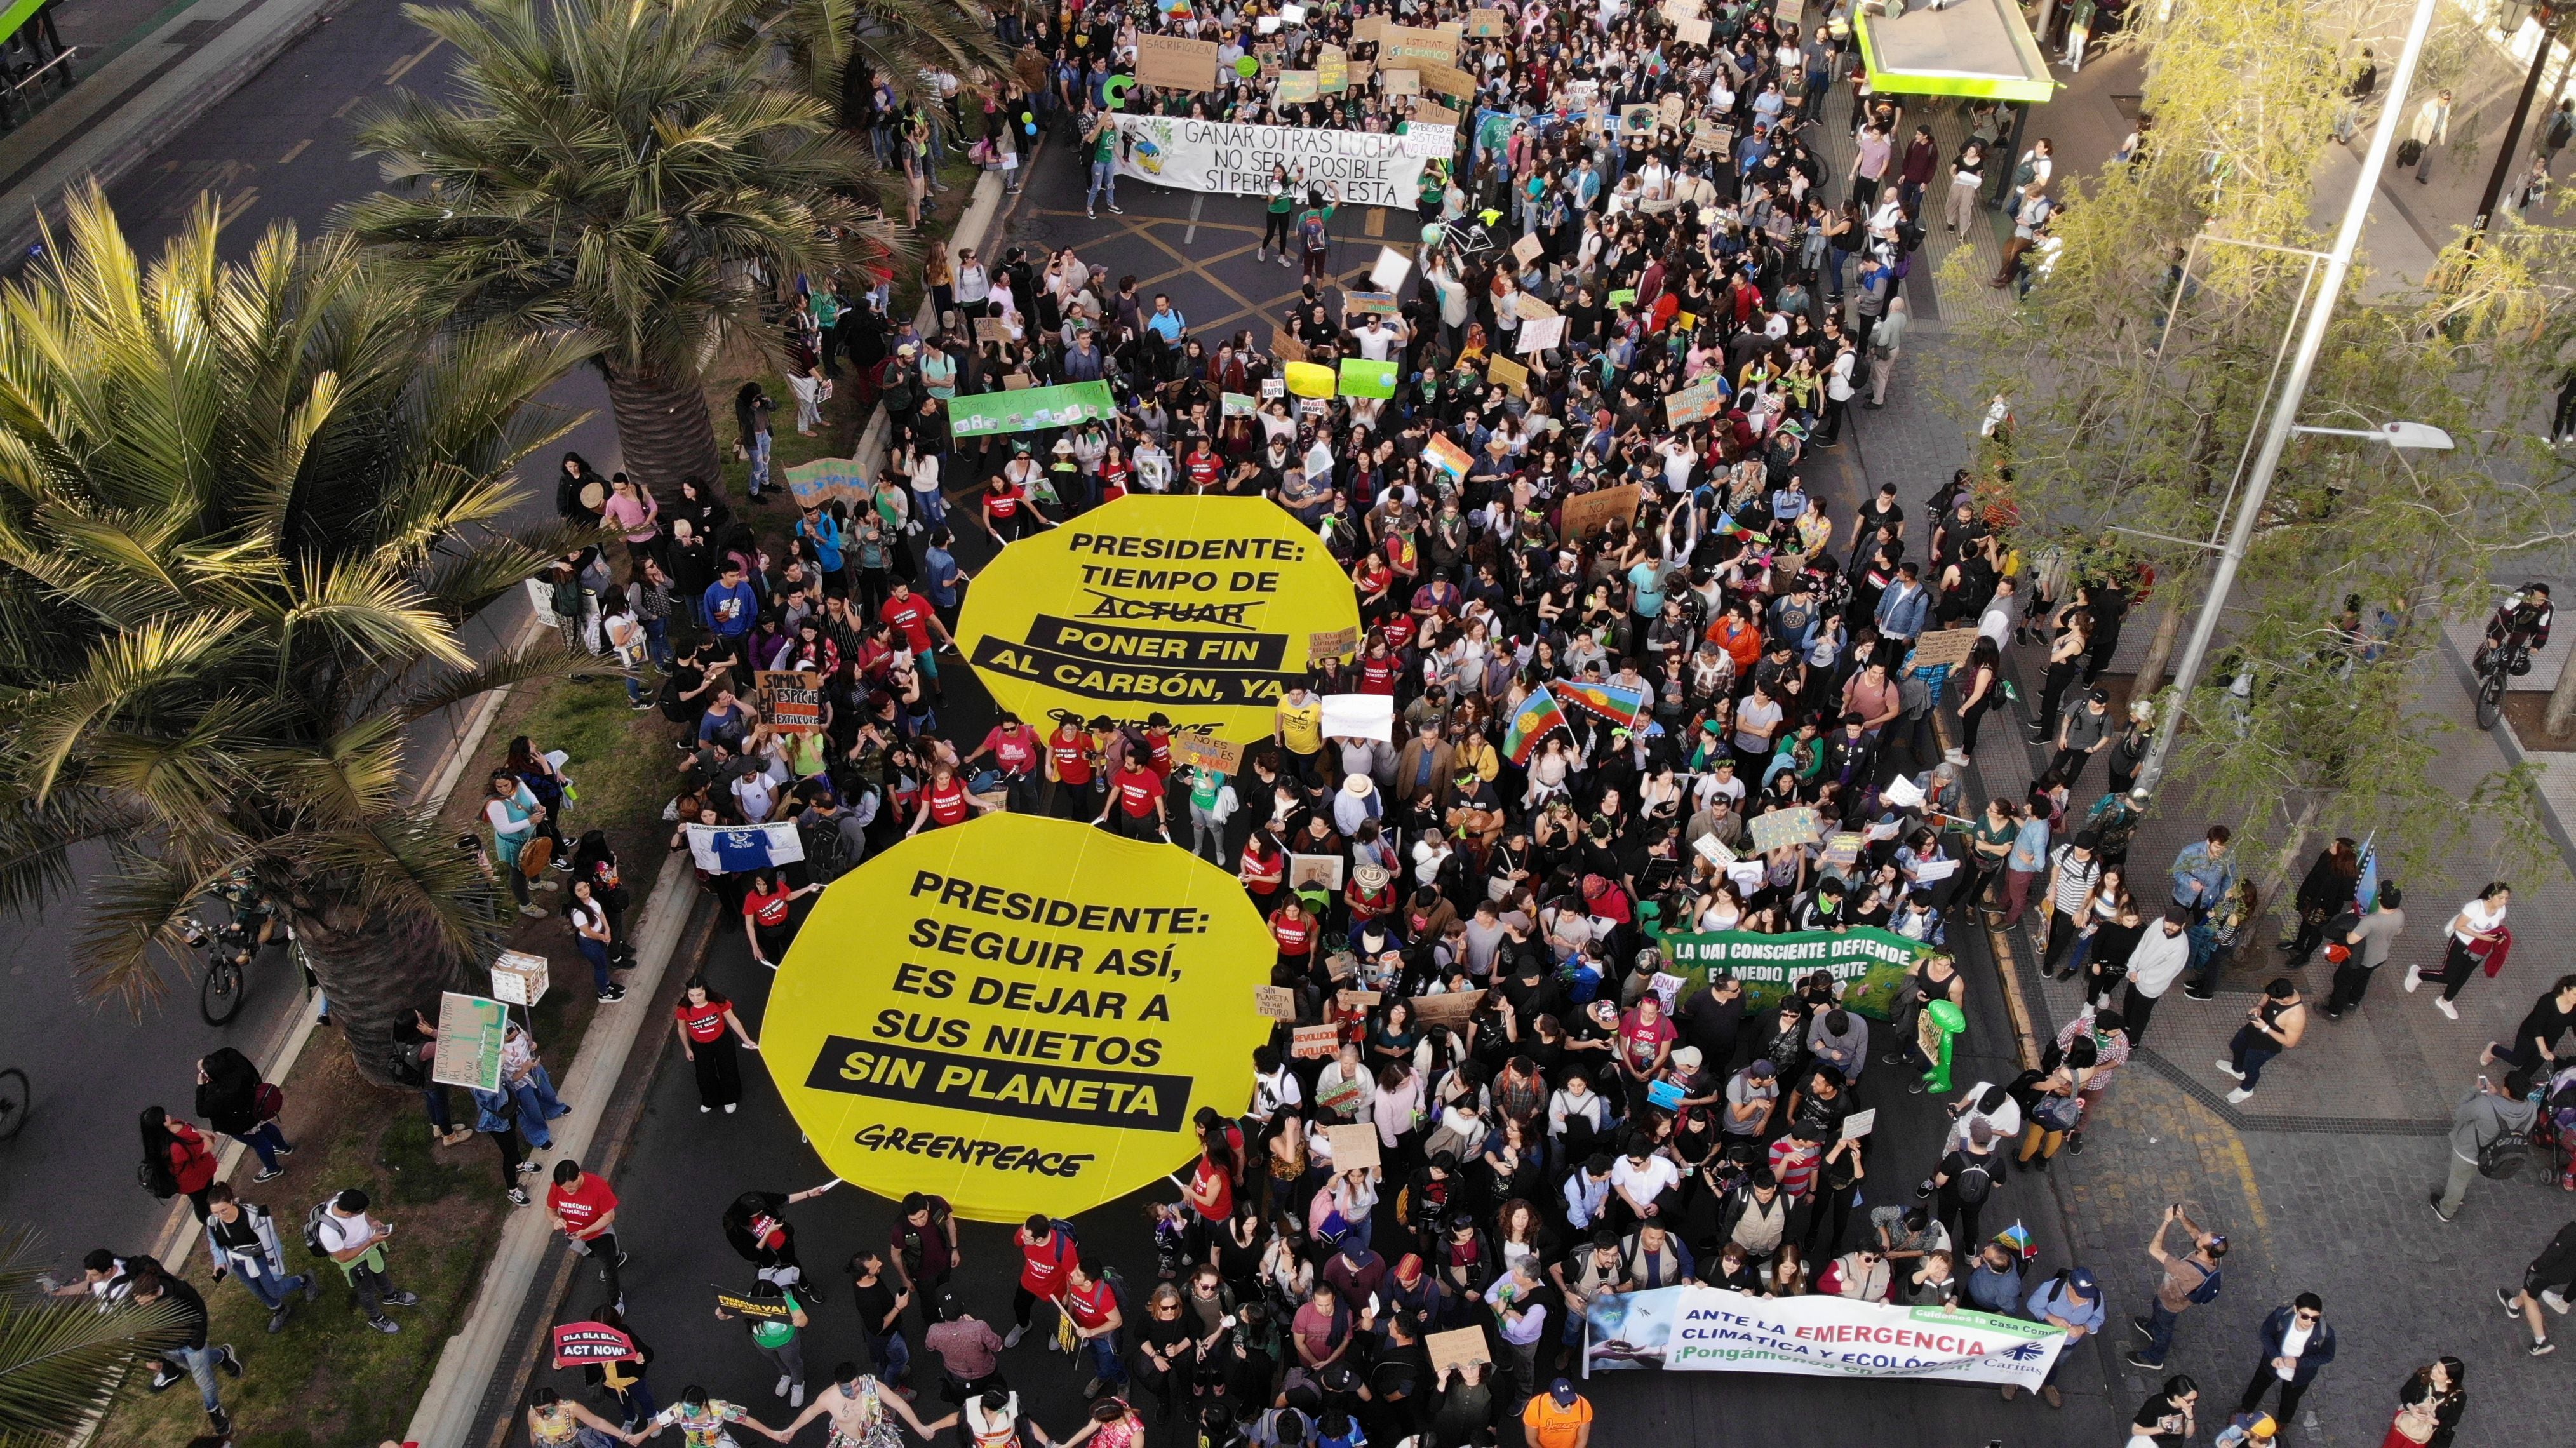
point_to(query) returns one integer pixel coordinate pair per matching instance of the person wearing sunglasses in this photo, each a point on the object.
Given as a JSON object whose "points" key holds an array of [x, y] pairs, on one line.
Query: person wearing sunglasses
{"points": [[2297, 1344]]}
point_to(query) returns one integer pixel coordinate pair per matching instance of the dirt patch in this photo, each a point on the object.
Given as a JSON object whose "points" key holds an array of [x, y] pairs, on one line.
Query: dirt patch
{"points": [[2523, 710]]}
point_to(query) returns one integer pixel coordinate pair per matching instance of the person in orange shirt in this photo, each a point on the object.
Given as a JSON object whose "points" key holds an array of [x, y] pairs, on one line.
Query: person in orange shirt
{"points": [[1558, 1418]]}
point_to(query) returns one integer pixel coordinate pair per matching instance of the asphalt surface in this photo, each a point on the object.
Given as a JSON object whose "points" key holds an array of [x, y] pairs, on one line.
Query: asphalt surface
{"points": [[682, 1167], [277, 150]]}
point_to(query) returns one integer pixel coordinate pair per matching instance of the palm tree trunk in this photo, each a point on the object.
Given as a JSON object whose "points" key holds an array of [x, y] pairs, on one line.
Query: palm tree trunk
{"points": [[376, 971], [664, 429]]}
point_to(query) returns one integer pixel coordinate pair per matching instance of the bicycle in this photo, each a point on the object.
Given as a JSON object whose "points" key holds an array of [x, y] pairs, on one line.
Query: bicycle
{"points": [[15, 1101], [2497, 667]]}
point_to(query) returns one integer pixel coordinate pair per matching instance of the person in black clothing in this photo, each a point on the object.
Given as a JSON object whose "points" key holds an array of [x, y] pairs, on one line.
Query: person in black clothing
{"points": [[1967, 1178], [191, 1356], [2532, 1051], [756, 1226], [881, 1301], [2546, 1282], [2168, 1413]]}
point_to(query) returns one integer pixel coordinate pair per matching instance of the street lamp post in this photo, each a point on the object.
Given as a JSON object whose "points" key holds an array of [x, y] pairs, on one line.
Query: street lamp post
{"points": [[2549, 13], [2285, 413]]}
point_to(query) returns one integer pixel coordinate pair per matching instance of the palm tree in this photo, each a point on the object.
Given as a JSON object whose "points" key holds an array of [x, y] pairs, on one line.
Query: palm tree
{"points": [[61, 1360], [620, 168], [842, 45], [244, 510]]}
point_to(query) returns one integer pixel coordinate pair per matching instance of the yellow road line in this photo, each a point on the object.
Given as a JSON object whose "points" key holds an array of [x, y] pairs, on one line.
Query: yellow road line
{"points": [[404, 68], [295, 151]]}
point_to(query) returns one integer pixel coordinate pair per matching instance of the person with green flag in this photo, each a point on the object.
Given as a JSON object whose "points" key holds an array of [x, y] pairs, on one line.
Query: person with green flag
{"points": [[1283, 204], [1103, 140]]}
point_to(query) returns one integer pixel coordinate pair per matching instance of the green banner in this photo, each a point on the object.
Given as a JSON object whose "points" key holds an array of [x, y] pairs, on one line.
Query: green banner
{"points": [[1029, 409], [1871, 964]]}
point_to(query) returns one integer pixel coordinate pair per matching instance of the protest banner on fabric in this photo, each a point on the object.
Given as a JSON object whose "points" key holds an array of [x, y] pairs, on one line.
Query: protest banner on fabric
{"points": [[1201, 608], [989, 413], [825, 480], [1371, 168], [1019, 1013], [1709, 1329], [731, 849], [1175, 63], [1870, 963]]}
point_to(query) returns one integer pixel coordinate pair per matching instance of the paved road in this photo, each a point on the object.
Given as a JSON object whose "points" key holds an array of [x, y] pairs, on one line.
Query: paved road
{"points": [[683, 1167], [276, 150]]}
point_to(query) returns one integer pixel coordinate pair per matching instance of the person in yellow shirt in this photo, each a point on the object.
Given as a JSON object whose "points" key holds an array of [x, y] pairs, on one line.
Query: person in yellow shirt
{"points": [[1300, 732], [1558, 1418]]}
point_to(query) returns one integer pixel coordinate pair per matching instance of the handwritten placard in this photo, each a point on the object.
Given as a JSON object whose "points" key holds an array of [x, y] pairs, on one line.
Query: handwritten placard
{"points": [[1510, 374], [1355, 1148], [1785, 827], [1459, 1348], [1369, 304], [1208, 752], [792, 702], [1588, 514], [1277, 1002], [1947, 647], [1449, 1008], [1315, 1043]]}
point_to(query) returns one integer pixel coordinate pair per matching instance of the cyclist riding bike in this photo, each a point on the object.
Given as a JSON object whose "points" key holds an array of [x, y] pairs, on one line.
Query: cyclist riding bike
{"points": [[2520, 626]]}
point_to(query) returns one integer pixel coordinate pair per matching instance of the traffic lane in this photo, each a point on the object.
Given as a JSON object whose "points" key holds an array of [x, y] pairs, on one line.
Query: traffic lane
{"points": [[684, 1166], [281, 148], [93, 1065]]}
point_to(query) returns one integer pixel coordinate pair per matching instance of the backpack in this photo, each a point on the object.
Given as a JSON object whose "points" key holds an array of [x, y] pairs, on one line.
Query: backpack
{"points": [[313, 1229], [2502, 1158], [1973, 1184], [2207, 1292]]}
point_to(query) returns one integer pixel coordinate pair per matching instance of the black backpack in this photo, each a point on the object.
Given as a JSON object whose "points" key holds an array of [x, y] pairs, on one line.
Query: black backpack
{"points": [[1973, 1184]]}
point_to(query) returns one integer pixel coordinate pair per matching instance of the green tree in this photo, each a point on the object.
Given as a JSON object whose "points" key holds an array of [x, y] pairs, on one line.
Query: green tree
{"points": [[244, 510], [60, 1358], [843, 45], [625, 171], [2139, 371]]}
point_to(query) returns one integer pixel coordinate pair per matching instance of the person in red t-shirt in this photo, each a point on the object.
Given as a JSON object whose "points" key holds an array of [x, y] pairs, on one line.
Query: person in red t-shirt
{"points": [[1136, 799], [1047, 1257], [767, 906], [914, 618], [1093, 1305], [1645, 1044], [1020, 752], [1264, 868], [708, 1028], [1295, 928], [946, 801], [1071, 764], [584, 1209]]}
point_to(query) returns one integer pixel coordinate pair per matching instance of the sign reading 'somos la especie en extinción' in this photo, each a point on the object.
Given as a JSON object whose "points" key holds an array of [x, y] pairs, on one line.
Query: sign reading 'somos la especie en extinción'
{"points": [[1020, 1014], [1205, 610]]}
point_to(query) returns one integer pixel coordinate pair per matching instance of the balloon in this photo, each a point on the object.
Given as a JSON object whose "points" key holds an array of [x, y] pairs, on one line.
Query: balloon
{"points": [[1247, 67]]}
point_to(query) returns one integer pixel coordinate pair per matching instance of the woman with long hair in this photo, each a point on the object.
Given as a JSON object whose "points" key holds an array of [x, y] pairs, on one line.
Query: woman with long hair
{"points": [[708, 1028], [228, 1096], [178, 1161]]}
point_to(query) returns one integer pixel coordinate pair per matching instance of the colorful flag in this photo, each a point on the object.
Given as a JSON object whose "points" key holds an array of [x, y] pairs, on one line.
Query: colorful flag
{"points": [[1448, 455], [2365, 886], [1617, 703], [1538, 714]]}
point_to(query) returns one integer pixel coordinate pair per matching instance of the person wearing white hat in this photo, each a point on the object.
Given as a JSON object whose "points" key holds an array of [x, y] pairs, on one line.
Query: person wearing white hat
{"points": [[1355, 804]]}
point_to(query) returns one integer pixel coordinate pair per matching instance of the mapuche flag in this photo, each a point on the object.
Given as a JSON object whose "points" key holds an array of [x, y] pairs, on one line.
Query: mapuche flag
{"points": [[1538, 714]]}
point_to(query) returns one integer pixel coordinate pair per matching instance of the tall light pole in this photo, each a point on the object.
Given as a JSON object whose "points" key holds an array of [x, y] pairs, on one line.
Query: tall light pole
{"points": [[2285, 413]]}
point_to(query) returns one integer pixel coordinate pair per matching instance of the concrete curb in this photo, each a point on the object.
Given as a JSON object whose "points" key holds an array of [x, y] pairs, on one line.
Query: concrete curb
{"points": [[445, 1417], [149, 92], [870, 454]]}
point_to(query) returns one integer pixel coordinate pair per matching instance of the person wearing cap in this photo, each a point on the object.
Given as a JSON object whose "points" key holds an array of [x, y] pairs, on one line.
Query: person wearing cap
{"points": [[1558, 1418], [2083, 732], [1752, 1095], [2071, 1302]]}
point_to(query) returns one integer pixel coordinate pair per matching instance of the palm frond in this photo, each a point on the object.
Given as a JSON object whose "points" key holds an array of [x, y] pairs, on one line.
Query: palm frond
{"points": [[60, 1359]]}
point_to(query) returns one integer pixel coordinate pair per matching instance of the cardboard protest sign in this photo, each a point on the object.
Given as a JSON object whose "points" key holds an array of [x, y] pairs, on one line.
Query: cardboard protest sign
{"points": [[1449, 80], [1315, 1043], [992, 329], [1427, 114], [1412, 42], [518, 977], [1355, 1148], [1587, 514], [1637, 119], [1944, 647], [1338, 643], [1277, 1002], [1173, 63], [1296, 86], [1369, 30], [1693, 32], [1859, 1124], [1512, 375], [1406, 82], [1783, 827], [1668, 111], [1458, 1348], [1332, 71], [1357, 1002], [1487, 24], [1207, 752], [1695, 403], [1316, 872], [1448, 1008], [1527, 249], [1369, 304], [791, 701]]}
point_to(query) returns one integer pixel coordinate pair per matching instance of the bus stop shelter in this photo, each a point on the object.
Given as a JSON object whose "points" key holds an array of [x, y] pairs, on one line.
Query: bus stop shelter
{"points": [[1975, 49]]}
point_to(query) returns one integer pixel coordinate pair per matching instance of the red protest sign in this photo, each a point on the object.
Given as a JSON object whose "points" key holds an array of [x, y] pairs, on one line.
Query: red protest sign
{"points": [[577, 1343]]}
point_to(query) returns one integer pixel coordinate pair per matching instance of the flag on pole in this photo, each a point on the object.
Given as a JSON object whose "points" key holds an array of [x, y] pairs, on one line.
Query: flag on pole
{"points": [[1538, 714], [1617, 703], [2365, 886]]}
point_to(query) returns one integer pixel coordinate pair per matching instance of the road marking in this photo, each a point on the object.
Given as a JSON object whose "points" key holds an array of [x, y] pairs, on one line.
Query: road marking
{"points": [[404, 68], [1192, 234], [295, 151], [347, 106]]}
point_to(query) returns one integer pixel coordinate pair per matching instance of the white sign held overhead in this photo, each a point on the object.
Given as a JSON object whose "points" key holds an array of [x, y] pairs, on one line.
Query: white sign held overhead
{"points": [[1359, 716], [1391, 269]]}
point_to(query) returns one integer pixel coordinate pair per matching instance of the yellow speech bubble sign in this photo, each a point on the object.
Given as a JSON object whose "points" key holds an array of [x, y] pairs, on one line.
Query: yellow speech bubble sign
{"points": [[1193, 607], [1020, 1014]]}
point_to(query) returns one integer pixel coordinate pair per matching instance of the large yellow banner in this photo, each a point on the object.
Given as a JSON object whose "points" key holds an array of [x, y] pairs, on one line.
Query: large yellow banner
{"points": [[1020, 1014], [1202, 609]]}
